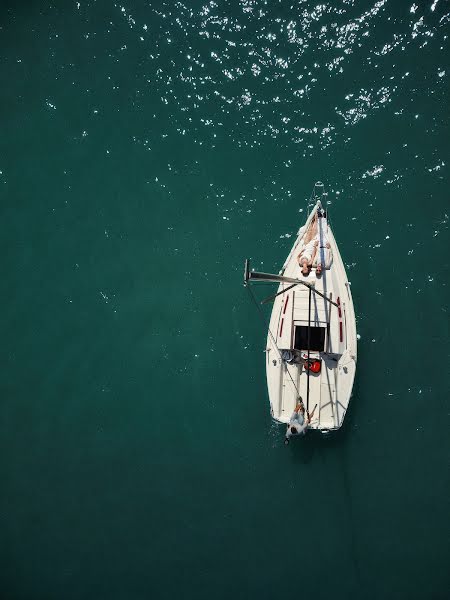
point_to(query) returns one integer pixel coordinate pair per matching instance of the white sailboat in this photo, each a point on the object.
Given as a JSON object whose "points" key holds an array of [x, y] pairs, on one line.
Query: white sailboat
{"points": [[311, 344]]}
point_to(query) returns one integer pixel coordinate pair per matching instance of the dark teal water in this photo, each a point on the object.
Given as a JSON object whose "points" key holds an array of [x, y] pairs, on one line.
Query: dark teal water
{"points": [[147, 148]]}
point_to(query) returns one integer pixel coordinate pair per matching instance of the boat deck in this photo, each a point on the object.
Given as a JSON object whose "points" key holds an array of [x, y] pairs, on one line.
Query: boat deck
{"points": [[301, 318], [322, 391]]}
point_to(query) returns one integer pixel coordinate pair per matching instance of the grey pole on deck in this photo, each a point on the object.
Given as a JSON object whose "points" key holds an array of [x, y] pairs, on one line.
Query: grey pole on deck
{"points": [[309, 343]]}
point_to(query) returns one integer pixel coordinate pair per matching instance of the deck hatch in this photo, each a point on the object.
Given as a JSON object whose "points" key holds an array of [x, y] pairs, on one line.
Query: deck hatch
{"points": [[317, 338]]}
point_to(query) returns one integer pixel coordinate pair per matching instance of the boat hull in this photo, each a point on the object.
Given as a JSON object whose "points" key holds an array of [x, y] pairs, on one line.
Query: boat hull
{"points": [[331, 339]]}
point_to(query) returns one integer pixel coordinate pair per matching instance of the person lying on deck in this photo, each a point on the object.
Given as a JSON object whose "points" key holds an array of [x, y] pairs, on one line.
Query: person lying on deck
{"points": [[314, 241], [306, 257], [319, 255], [297, 423]]}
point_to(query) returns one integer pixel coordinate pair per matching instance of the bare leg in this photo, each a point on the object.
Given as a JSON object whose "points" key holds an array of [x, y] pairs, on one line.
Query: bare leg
{"points": [[312, 230]]}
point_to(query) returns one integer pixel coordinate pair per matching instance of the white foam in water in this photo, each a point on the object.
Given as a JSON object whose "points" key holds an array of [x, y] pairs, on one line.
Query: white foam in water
{"points": [[374, 172]]}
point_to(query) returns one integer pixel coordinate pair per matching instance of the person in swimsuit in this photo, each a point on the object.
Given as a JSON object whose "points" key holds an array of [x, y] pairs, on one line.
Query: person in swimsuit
{"points": [[306, 257], [315, 240]]}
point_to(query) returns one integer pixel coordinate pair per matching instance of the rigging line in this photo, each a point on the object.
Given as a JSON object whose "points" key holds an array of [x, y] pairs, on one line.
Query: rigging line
{"points": [[270, 333], [315, 196], [263, 283], [263, 318], [311, 203], [321, 246], [328, 217], [309, 340], [270, 298]]}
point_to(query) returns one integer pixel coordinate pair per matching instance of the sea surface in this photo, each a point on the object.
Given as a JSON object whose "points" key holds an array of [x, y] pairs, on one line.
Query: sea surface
{"points": [[147, 148]]}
